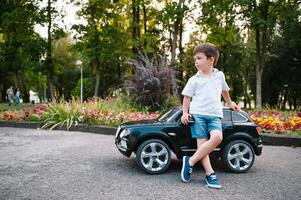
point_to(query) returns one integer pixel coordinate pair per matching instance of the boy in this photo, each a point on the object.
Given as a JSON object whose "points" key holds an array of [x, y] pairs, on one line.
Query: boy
{"points": [[202, 98]]}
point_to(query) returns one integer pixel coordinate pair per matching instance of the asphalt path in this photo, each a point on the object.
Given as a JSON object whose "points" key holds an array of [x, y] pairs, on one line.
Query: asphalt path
{"points": [[39, 164]]}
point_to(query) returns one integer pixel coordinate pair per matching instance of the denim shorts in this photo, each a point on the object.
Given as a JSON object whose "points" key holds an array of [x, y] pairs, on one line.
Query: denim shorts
{"points": [[203, 125]]}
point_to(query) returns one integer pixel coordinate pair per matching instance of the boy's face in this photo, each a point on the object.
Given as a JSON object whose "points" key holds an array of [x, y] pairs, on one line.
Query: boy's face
{"points": [[202, 62]]}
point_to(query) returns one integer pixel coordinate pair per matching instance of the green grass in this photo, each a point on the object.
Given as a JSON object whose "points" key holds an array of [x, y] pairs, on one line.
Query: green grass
{"points": [[5, 107], [293, 133]]}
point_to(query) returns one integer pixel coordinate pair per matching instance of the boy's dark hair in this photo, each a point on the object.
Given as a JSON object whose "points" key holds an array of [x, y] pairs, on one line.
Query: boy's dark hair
{"points": [[210, 50]]}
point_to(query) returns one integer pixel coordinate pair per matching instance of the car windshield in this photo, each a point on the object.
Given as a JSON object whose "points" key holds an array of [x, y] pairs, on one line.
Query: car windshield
{"points": [[166, 116]]}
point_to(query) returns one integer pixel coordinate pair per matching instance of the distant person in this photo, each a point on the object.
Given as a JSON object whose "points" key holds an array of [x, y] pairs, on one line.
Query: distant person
{"points": [[10, 96], [17, 96]]}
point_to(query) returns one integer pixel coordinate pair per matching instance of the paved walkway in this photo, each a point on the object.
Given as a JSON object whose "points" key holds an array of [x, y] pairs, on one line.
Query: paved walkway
{"points": [[39, 164]]}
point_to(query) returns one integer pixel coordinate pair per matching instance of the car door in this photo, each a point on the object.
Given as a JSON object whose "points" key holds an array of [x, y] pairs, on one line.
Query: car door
{"points": [[227, 124], [181, 135]]}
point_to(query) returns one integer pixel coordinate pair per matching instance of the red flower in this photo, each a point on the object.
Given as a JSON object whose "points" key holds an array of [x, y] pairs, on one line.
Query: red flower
{"points": [[106, 113]]}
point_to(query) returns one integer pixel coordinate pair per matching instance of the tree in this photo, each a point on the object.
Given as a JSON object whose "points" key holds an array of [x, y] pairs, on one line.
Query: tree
{"points": [[281, 83], [54, 32], [260, 16], [21, 48], [104, 42], [218, 22], [171, 18], [65, 69]]}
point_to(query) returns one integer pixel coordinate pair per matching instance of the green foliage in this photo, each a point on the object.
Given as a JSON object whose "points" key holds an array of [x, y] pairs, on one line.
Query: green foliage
{"points": [[171, 101], [283, 76], [114, 31], [111, 111], [34, 117], [61, 113], [117, 100], [152, 81], [103, 43], [88, 85], [21, 48]]}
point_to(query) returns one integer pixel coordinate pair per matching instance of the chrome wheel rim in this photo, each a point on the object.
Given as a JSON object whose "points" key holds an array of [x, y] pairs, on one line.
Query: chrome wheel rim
{"points": [[154, 156], [240, 156]]}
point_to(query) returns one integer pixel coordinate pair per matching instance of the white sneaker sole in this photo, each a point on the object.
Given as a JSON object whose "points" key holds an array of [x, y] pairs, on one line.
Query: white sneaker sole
{"points": [[213, 186], [182, 171]]}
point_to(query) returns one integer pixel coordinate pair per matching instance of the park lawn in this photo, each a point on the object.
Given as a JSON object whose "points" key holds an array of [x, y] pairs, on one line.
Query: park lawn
{"points": [[22, 106], [290, 133], [294, 133]]}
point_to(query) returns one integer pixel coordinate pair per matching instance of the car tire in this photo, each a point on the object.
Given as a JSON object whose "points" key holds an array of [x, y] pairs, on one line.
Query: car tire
{"points": [[238, 156], [153, 156]]}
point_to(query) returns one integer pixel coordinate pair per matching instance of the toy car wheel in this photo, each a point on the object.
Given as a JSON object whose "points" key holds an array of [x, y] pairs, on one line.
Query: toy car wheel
{"points": [[153, 156], [238, 156]]}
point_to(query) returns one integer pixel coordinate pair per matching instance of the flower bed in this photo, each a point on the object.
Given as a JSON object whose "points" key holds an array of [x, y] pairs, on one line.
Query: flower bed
{"points": [[34, 114], [100, 112], [94, 112], [277, 122]]}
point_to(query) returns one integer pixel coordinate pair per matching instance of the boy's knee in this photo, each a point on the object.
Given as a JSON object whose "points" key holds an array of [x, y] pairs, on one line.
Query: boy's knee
{"points": [[216, 137]]}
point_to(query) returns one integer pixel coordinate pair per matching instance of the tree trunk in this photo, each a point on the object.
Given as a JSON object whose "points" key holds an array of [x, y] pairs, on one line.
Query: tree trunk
{"points": [[136, 24], [181, 55], [144, 24], [97, 76], [258, 70], [50, 95], [295, 103], [181, 50], [261, 44], [176, 31], [174, 45], [96, 60], [25, 93], [49, 61], [258, 87], [285, 95]]}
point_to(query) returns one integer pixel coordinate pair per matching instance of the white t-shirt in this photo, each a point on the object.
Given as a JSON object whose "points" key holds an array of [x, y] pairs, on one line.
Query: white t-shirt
{"points": [[206, 93]]}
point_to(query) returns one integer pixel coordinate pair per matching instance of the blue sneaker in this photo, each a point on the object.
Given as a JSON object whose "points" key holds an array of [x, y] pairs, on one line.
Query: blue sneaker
{"points": [[212, 181], [186, 170]]}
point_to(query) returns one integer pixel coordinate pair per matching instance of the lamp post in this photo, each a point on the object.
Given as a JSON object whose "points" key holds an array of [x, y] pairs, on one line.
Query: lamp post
{"points": [[80, 64]]}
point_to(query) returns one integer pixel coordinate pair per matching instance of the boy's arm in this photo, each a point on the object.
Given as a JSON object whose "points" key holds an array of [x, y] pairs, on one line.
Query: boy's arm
{"points": [[186, 103], [230, 103]]}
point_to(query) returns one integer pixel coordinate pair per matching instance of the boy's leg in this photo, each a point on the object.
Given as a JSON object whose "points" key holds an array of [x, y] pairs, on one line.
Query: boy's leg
{"points": [[207, 147], [206, 160], [210, 178]]}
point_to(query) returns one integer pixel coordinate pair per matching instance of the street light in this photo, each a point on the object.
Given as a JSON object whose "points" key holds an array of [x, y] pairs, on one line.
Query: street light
{"points": [[80, 64]]}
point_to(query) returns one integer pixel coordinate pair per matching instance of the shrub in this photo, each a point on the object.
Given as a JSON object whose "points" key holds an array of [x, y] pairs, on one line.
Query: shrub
{"points": [[12, 115], [62, 113], [34, 117], [151, 82]]}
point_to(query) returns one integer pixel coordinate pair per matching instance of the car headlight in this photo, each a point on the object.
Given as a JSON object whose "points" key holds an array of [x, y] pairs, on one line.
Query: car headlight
{"points": [[124, 133], [117, 131]]}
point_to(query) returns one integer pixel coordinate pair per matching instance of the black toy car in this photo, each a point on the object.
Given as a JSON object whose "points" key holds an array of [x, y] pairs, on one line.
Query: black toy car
{"points": [[153, 141]]}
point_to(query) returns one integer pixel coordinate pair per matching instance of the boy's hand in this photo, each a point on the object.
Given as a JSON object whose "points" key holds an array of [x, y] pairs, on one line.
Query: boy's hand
{"points": [[184, 118], [234, 106]]}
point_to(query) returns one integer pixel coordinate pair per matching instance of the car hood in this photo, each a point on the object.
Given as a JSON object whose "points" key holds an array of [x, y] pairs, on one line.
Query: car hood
{"points": [[141, 123]]}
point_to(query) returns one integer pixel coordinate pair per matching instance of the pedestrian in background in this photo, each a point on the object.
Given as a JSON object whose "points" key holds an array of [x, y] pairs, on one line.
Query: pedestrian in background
{"points": [[10, 95], [17, 96]]}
